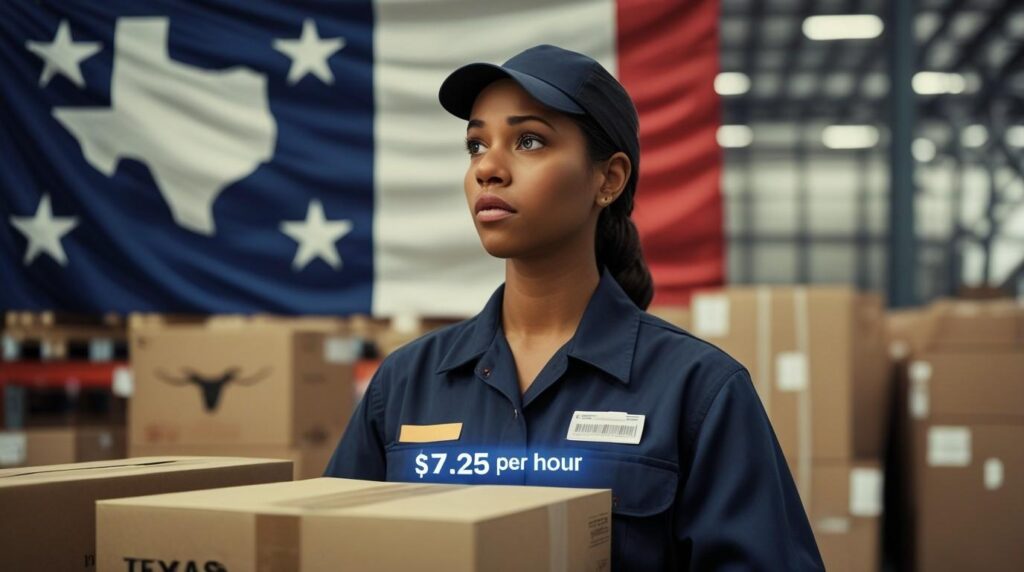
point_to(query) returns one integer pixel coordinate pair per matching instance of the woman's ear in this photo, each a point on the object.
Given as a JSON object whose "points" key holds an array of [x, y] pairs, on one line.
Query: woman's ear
{"points": [[616, 173]]}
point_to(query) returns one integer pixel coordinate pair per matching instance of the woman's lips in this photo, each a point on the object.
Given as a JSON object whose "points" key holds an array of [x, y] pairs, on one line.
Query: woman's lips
{"points": [[490, 208], [493, 214]]}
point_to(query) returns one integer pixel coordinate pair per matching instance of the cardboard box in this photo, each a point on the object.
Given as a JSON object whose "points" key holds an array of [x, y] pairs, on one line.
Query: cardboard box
{"points": [[969, 495], [339, 524], [851, 548], [819, 360], [48, 521], [946, 385], [846, 489], [979, 325], [262, 382], [307, 463], [677, 315], [961, 397], [845, 513], [59, 445], [906, 330]]}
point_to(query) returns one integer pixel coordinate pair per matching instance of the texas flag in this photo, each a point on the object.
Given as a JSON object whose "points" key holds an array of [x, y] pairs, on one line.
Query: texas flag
{"points": [[292, 157]]}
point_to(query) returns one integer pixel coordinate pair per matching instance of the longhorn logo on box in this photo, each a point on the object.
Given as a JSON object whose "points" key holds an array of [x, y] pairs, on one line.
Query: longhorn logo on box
{"points": [[211, 388], [155, 565]]}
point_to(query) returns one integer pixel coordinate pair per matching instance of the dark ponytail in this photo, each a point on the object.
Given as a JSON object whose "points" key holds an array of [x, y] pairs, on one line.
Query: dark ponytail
{"points": [[617, 242]]}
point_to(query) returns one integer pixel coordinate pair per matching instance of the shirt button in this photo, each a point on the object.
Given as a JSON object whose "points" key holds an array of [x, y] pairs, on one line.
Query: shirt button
{"points": [[487, 372]]}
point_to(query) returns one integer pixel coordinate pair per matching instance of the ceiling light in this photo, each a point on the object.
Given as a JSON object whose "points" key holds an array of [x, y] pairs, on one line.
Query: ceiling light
{"points": [[843, 27], [923, 149], [850, 136], [1015, 136], [934, 83], [734, 136], [974, 136], [732, 83]]}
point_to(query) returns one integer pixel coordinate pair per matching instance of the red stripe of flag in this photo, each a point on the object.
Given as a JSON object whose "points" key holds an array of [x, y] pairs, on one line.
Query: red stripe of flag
{"points": [[668, 59]]}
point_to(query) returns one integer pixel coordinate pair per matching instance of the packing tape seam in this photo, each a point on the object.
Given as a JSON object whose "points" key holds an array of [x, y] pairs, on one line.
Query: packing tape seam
{"points": [[278, 542], [804, 444], [362, 497], [764, 325], [558, 525]]}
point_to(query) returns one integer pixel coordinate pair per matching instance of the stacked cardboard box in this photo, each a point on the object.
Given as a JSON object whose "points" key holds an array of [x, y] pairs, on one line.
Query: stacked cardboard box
{"points": [[818, 359], [261, 387], [48, 520], [339, 524], [964, 383], [60, 445], [55, 400], [58, 336]]}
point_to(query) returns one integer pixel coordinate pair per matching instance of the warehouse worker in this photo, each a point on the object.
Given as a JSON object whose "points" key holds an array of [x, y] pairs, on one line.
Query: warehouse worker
{"points": [[563, 379]]}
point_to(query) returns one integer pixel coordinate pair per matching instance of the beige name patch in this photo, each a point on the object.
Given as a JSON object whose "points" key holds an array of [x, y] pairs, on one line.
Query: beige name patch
{"points": [[430, 433]]}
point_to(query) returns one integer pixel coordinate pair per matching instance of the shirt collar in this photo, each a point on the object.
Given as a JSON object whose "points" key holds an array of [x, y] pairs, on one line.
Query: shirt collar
{"points": [[605, 338]]}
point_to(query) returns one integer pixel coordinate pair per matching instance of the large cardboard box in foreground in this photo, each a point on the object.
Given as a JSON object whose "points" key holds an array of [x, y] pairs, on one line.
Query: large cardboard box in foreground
{"points": [[339, 524], [59, 445], [257, 382], [48, 515]]}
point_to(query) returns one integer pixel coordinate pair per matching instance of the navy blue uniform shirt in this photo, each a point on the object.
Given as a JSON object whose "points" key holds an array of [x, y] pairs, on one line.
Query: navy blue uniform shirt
{"points": [[707, 486]]}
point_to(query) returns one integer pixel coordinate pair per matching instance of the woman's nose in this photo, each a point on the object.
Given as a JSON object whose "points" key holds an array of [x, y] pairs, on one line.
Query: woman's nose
{"points": [[491, 169]]}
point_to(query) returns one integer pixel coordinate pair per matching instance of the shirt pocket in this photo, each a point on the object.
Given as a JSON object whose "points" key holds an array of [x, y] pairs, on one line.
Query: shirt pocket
{"points": [[643, 492]]}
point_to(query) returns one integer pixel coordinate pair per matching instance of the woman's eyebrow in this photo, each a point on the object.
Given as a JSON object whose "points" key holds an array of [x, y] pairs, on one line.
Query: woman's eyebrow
{"points": [[512, 120], [516, 120]]}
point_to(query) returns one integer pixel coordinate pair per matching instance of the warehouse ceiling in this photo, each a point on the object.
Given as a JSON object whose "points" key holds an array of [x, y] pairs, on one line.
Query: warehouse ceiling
{"points": [[794, 78]]}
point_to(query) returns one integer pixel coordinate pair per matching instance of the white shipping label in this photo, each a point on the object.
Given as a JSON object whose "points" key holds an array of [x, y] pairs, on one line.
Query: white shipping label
{"points": [[338, 349], [711, 315], [406, 323], [920, 370], [791, 371], [12, 349], [949, 446], [865, 492], [106, 440], [606, 427], [993, 474], [898, 350], [833, 525], [917, 401], [123, 382], [13, 447], [101, 349]]}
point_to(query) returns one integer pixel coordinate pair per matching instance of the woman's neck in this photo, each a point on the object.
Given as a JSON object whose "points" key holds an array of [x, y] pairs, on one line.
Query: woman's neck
{"points": [[546, 297]]}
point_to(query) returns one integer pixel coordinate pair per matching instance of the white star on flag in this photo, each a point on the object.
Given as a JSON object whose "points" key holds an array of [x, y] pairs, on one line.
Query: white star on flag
{"points": [[44, 232], [63, 55], [316, 236], [309, 53]]}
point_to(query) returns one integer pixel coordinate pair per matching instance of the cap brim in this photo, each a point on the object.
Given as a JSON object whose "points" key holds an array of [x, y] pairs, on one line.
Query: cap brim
{"points": [[459, 90]]}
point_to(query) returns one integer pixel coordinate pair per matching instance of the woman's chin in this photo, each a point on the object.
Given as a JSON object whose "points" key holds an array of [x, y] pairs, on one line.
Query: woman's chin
{"points": [[499, 247]]}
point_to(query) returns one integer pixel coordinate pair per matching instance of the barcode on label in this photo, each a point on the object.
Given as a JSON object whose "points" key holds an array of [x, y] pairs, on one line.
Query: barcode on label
{"points": [[605, 429]]}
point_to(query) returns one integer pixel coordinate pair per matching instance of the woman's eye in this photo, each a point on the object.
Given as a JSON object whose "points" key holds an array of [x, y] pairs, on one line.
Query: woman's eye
{"points": [[472, 146], [533, 138]]}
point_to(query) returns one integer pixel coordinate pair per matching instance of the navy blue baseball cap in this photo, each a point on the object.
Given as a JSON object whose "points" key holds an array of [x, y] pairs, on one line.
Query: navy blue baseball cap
{"points": [[562, 79]]}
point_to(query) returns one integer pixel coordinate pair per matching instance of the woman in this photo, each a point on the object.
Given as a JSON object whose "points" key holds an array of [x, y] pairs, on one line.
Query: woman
{"points": [[698, 480]]}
